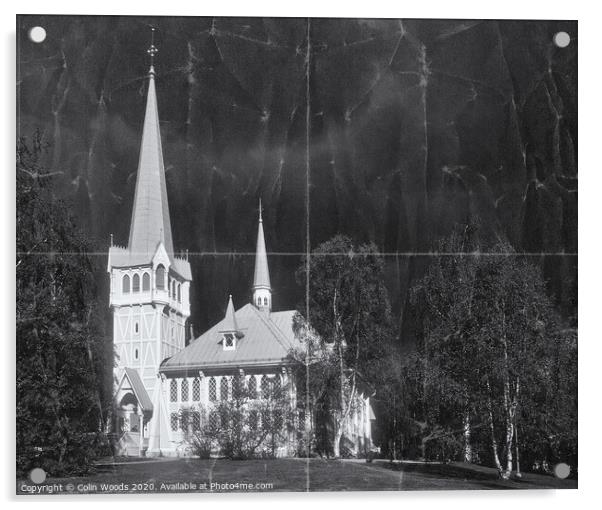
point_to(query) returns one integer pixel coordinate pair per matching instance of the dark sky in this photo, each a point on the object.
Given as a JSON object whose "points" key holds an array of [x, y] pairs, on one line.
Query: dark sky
{"points": [[414, 126]]}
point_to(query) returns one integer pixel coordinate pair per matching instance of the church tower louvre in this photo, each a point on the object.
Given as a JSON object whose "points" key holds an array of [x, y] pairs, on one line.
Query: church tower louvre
{"points": [[262, 289], [149, 284]]}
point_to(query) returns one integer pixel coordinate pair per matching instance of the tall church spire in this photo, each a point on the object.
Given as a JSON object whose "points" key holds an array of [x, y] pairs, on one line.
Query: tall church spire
{"points": [[150, 217], [262, 289]]}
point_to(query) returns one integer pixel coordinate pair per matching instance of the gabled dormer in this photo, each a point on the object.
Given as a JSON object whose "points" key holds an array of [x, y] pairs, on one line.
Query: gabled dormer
{"points": [[229, 331]]}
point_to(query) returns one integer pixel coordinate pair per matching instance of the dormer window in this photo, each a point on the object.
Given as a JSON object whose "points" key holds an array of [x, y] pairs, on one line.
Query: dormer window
{"points": [[229, 341]]}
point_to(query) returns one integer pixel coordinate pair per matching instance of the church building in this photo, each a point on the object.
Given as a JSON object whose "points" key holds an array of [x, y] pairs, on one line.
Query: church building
{"points": [[158, 378]]}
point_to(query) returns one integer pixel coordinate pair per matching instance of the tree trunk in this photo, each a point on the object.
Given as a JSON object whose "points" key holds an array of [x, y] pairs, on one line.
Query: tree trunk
{"points": [[496, 457], [336, 446], [466, 430], [518, 473]]}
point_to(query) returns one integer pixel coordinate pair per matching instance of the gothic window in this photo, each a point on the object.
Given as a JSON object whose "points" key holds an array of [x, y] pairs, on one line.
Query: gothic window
{"points": [[278, 422], [258, 301], [253, 420], [265, 386], [277, 381], [196, 421], [146, 282], [173, 390], [252, 387], [126, 284], [179, 293], [212, 390], [160, 276], [136, 283], [174, 421], [237, 385], [266, 419], [223, 388], [265, 301], [184, 390], [213, 420], [196, 389]]}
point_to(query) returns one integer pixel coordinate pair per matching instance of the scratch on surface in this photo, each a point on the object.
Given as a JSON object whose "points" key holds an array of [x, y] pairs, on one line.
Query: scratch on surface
{"points": [[307, 210]]}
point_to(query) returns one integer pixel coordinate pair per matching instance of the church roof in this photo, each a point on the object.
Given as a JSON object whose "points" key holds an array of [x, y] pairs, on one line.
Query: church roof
{"points": [[150, 217], [267, 340], [261, 278], [138, 388]]}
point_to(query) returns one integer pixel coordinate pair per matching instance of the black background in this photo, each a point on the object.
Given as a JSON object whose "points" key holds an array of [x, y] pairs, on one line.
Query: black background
{"points": [[414, 125]]}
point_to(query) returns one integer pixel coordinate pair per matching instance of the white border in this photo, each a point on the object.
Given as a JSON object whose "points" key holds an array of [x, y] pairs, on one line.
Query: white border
{"points": [[589, 214]]}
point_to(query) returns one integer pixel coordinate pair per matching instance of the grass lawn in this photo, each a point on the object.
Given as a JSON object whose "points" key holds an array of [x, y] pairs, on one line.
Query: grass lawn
{"points": [[166, 475]]}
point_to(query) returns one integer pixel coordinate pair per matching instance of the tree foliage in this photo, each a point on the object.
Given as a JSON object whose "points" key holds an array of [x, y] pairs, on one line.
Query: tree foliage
{"points": [[247, 425], [345, 325], [61, 357], [492, 375]]}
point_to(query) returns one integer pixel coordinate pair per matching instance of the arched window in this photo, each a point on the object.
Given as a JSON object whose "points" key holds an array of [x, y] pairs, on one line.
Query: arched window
{"points": [[196, 389], [212, 390], [173, 390], [136, 354], [278, 421], [253, 420], [277, 383], [179, 293], [184, 390], [173, 289], [146, 282], [126, 284], [237, 386], [258, 301], [160, 277], [136, 327], [136, 283], [265, 301], [265, 386], [196, 421], [223, 388], [252, 387], [174, 421]]}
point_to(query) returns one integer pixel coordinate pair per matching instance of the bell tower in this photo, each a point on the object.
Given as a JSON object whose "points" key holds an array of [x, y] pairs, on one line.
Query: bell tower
{"points": [[150, 285]]}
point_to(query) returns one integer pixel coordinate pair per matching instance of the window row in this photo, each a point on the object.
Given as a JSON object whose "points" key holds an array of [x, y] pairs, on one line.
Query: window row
{"points": [[265, 301], [229, 387], [191, 421], [174, 288], [184, 390]]}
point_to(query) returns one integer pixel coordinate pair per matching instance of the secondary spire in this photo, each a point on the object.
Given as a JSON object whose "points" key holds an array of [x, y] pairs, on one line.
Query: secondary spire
{"points": [[262, 289]]}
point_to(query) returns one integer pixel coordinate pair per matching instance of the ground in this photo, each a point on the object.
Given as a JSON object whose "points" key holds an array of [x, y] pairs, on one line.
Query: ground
{"points": [[180, 475]]}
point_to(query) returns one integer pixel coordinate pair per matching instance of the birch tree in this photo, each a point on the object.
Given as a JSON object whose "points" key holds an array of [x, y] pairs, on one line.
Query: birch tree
{"points": [[350, 314]]}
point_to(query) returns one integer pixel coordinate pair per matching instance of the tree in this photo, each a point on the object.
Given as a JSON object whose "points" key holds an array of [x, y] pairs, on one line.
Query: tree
{"points": [[63, 391], [245, 426], [488, 336], [347, 331]]}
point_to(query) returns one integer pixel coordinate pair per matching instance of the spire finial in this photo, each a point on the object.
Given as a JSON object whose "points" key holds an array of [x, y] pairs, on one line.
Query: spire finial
{"points": [[260, 211], [152, 51]]}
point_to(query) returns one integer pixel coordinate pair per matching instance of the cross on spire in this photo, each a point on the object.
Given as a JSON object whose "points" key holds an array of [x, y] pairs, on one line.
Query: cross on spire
{"points": [[260, 211], [152, 51]]}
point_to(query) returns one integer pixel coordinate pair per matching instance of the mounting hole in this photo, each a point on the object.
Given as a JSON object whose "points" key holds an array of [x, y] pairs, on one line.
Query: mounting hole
{"points": [[37, 34], [562, 470], [562, 39]]}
